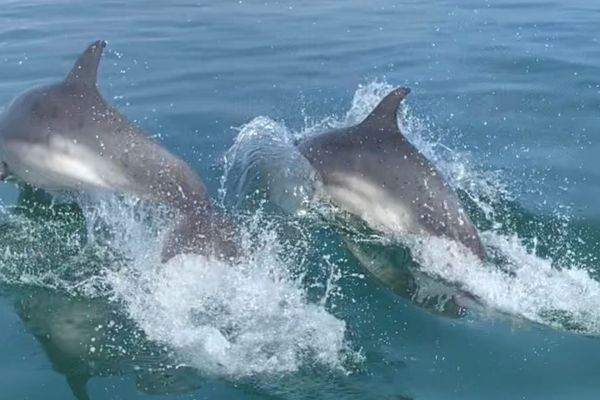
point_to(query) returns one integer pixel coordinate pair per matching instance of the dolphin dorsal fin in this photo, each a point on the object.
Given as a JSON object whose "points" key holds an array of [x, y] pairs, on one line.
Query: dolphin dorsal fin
{"points": [[384, 116], [85, 70]]}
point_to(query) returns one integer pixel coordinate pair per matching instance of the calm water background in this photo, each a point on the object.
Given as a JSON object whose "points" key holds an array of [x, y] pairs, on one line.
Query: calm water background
{"points": [[513, 86]]}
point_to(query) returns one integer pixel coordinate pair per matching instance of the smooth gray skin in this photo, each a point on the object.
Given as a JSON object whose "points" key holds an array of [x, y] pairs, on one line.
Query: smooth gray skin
{"points": [[373, 172], [64, 136]]}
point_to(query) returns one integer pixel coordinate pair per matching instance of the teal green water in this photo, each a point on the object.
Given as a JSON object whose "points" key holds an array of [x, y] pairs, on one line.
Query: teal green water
{"points": [[505, 101]]}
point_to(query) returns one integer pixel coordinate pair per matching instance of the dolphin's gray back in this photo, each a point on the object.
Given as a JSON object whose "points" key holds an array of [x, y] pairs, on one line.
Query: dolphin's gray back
{"points": [[373, 171]]}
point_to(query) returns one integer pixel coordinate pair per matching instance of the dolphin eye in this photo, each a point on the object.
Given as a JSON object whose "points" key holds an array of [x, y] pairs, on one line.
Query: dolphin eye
{"points": [[36, 107]]}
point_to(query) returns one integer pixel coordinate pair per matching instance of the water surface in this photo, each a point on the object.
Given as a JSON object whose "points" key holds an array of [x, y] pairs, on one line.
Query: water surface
{"points": [[505, 101]]}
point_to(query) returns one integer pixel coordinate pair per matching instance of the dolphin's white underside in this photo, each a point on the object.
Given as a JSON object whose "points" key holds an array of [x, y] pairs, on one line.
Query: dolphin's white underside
{"points": [[372, 203], [63, 164]]}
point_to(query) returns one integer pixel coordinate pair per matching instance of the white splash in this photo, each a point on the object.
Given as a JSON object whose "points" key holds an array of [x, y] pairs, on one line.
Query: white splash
{"points": [[263, 158], [231, 320], [225, 319], [527, 286]]}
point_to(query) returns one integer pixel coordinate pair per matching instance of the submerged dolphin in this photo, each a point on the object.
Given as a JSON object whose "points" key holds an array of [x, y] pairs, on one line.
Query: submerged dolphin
{"points": [[372, 171], [65, 136], [86, 338]]}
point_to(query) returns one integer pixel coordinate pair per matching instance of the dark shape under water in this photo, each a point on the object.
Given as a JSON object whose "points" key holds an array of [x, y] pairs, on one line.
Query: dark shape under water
{"points": [[85, 338]]}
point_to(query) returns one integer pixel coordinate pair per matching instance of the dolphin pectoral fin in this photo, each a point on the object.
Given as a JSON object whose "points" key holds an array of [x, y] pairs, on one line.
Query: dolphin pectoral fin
{"points": [[78, 386], [3, 171], [384, 116], [85, 70]]}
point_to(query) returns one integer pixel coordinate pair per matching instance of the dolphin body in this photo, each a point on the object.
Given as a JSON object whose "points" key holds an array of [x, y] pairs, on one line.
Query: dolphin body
{"points": [[372, 171], [65, 136]]}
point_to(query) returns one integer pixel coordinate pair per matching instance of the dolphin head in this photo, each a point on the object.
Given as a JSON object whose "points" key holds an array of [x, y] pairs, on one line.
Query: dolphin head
{"points": [[54, 136], [36, 115]]}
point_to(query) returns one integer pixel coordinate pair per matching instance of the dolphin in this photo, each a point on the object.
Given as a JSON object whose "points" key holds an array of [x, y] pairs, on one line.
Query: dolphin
{"points": [[65, 137], [373, 172]]}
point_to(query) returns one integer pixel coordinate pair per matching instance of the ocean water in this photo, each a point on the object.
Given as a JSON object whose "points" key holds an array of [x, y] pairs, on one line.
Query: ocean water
{"points": [[505, 101]]}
